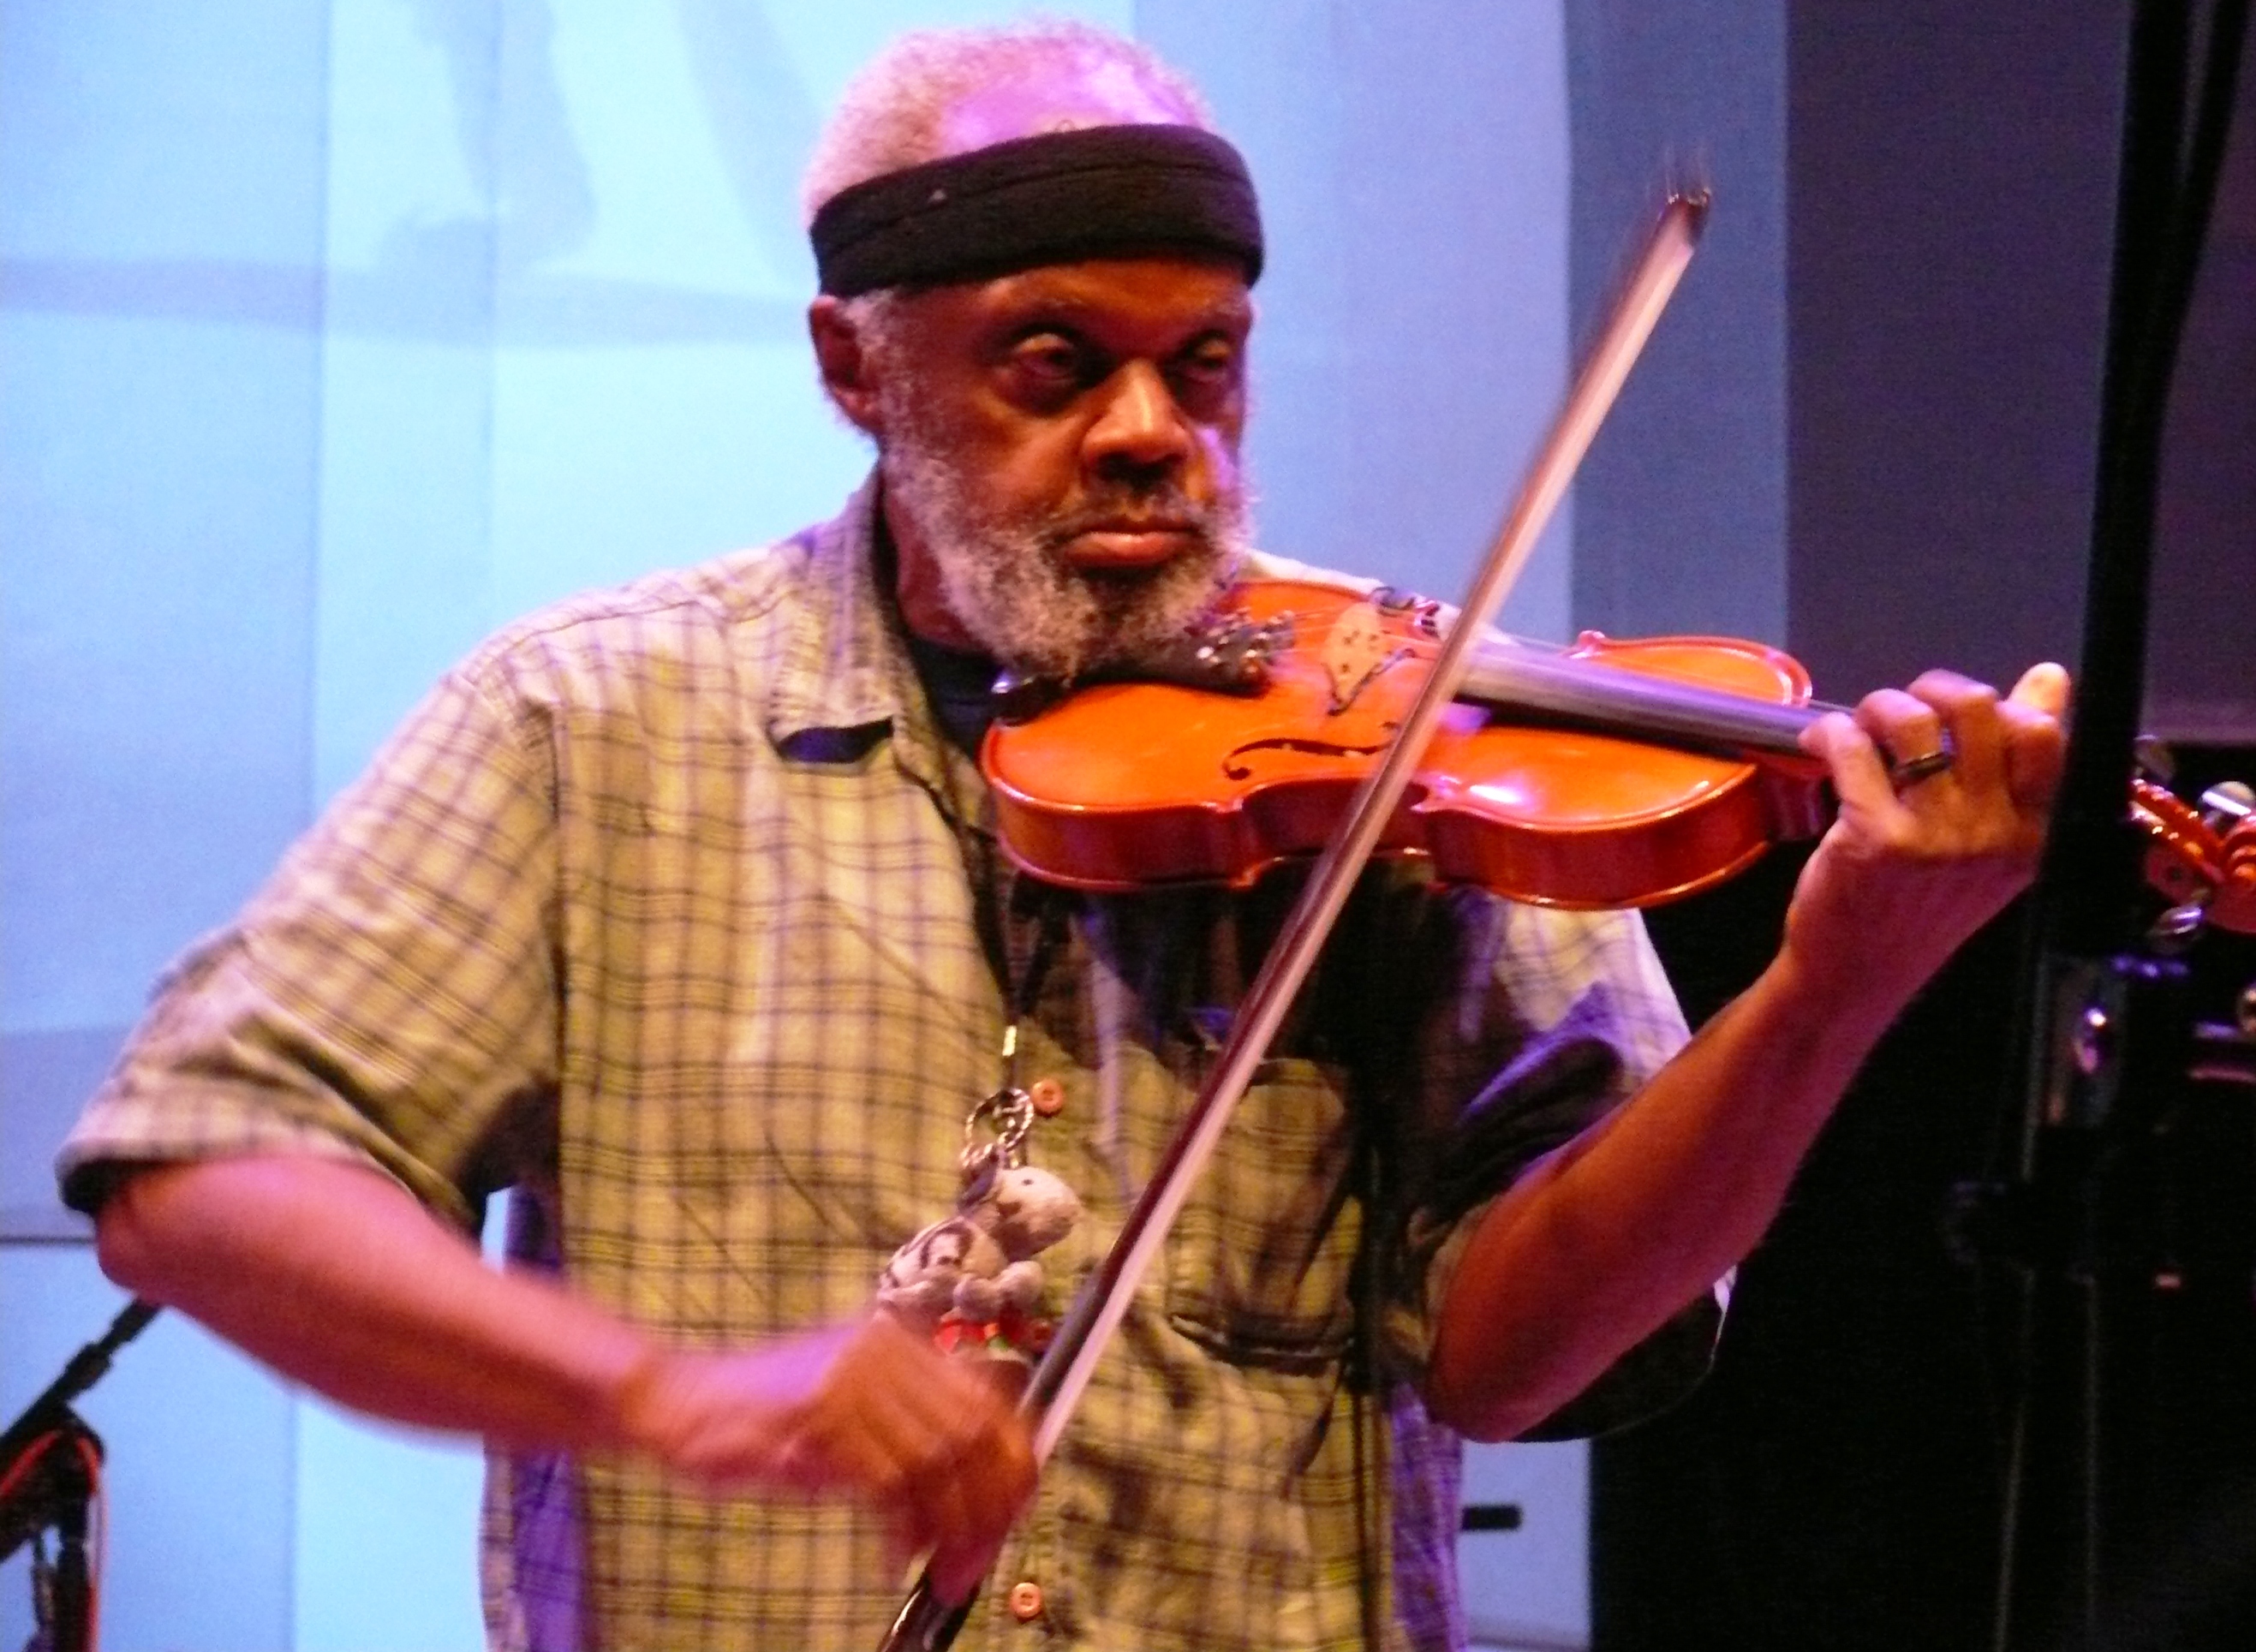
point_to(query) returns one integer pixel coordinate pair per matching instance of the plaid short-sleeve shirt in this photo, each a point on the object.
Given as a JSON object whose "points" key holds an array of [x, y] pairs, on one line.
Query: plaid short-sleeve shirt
{"points": [[671, 909]]}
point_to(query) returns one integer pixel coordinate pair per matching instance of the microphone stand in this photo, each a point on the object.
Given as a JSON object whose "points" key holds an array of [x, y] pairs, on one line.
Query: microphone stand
{"points": [[47, 1483], [2108, 1026]]}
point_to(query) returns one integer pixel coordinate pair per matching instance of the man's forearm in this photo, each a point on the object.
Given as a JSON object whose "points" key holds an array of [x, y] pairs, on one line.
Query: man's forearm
{"points": [[1599, 1245], [340, 1280]]}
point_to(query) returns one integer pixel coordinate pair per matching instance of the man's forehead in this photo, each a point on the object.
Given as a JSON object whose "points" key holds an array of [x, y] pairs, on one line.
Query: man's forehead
{"points": [[1059, 101], [1190, 292]]}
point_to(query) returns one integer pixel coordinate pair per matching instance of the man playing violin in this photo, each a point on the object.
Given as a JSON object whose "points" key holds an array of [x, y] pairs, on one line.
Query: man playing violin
{"points": [[675, 910]]}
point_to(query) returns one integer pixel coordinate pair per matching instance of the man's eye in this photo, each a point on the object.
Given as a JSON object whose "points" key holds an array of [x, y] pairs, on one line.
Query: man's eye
{"points": [[1211, 366], [1211, 361], [1206, 377], [1049, 359]]}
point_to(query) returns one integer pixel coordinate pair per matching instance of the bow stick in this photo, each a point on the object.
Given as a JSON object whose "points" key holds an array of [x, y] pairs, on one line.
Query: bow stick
{"points": [[924, 1624]]}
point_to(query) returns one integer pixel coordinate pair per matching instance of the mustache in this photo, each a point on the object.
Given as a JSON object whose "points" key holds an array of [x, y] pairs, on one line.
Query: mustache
{"points": [[1163, 506]]}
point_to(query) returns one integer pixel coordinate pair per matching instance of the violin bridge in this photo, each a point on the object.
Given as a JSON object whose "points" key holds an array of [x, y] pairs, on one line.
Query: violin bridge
{"points": [[1355, 650]]}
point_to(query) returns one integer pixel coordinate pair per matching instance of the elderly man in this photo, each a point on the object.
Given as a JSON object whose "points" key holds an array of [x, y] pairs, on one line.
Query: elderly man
{"points": [[677, 911]]}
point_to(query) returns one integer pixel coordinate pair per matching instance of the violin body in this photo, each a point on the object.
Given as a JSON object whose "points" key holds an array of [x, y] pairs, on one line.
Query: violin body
{"points": [[1122, 785]]}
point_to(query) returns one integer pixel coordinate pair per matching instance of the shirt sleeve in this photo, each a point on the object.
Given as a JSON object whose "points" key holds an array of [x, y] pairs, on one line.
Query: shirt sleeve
{"points": [[1584, 1016], [388, 998]]}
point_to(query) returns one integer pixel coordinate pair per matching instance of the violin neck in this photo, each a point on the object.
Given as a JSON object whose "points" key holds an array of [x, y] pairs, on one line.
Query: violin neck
{"points": [[1521, 680]]}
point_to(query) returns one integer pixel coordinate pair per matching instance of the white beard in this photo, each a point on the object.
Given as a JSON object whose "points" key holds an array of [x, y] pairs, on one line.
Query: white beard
{"points": [[1005, 583]]}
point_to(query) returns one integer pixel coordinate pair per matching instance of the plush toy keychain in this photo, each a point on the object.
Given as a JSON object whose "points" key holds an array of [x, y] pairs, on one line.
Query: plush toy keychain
{"points": [[971, 1280]]}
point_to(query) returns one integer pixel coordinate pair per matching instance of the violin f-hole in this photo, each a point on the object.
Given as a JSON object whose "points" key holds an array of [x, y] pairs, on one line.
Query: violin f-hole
{"points": [[1239, 764]]}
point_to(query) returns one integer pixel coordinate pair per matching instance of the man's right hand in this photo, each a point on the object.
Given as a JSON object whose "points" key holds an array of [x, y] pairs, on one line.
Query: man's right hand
{"points": [[867, 1409]]}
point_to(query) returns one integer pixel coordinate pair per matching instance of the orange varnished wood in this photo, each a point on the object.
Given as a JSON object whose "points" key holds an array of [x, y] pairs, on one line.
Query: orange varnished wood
{"points": [[1125, 786]]}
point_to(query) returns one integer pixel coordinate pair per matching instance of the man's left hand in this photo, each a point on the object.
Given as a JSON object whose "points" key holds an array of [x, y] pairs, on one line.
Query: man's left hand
{"points": [[1907, 874]]}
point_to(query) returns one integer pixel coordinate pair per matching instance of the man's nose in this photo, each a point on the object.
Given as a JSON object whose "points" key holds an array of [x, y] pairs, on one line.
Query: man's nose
{"points": [[1139, 429]]}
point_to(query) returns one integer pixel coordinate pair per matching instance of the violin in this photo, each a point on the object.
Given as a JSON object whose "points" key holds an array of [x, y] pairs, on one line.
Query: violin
{"points": [[1607, 773]]}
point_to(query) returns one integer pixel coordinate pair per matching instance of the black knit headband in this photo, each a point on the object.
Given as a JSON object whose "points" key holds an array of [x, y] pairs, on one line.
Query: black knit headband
{"points": [[1050, 199]]}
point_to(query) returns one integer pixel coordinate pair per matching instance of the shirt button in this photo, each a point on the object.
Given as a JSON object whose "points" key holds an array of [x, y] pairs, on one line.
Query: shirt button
{"points": [[1025, 1601], [1049, 1097]]}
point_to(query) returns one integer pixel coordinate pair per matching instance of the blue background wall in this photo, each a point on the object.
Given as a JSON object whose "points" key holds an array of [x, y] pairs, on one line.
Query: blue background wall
{"points": [[335, 332]]}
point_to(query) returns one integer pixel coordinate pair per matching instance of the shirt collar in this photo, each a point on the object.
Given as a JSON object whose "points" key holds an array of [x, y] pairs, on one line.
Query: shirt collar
{"points": [[844, 665]]}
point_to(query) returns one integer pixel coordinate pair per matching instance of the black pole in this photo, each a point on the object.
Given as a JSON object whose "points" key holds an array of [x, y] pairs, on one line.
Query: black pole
{"points": [[2105, 1022]]}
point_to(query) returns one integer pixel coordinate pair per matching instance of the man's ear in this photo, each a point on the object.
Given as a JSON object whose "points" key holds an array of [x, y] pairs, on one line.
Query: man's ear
{"points": [[845, 367]]}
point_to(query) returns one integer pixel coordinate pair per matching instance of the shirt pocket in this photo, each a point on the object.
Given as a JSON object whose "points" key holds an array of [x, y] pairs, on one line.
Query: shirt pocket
{"points": [[1260, 1261]]}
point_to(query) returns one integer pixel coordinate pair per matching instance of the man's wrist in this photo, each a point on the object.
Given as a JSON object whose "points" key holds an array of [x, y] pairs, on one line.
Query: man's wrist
{"points": [[1836, 997], [644, 1409]]}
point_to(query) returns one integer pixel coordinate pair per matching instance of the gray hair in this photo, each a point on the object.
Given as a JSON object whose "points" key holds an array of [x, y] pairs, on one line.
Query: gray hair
{"points": [[890, 115]]}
